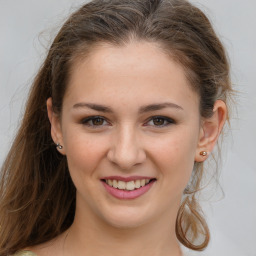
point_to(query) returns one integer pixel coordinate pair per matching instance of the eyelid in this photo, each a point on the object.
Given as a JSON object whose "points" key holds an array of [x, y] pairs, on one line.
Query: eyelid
{"points": [[169, 121], [86, 120], [165, 118]]}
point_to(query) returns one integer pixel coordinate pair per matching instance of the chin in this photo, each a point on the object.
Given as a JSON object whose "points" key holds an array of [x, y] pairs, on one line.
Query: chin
{"points": [[125, 223], [126, 218]]}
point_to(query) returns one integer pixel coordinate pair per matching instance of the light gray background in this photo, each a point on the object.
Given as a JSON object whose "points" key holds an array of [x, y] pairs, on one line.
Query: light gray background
{"points": [[27, 26]]}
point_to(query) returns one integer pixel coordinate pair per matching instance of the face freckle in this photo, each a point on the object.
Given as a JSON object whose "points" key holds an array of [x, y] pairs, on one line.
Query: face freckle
{"points": [[127, 86]]}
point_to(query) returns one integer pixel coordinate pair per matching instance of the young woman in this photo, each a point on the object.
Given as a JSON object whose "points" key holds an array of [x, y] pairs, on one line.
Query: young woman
{"points": [[127, 106]]}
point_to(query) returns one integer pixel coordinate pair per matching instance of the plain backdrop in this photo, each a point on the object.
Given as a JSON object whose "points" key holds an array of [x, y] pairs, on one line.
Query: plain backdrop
{"points": [[27, 28]]}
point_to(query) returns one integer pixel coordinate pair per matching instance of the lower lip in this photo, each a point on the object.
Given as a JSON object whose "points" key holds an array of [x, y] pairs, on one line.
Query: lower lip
{"points": [[128, 194]]}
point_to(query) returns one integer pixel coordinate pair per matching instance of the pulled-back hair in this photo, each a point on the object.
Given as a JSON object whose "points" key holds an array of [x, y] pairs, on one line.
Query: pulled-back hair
{"points": [[37, 195]]}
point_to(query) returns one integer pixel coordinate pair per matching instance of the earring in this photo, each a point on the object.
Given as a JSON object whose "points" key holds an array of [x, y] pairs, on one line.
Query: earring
{"points": [[59, 146], [203, 153]]}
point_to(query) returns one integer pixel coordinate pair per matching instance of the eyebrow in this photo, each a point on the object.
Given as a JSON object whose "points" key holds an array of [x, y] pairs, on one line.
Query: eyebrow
{"points": [[142, 109]]}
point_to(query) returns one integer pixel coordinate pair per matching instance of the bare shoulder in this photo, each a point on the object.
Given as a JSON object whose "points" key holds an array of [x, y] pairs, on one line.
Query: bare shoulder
{"points": [[50, 248]]}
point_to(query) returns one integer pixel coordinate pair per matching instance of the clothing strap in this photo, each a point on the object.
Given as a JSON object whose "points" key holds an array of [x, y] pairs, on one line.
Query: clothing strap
{"points": [[24, 253]]}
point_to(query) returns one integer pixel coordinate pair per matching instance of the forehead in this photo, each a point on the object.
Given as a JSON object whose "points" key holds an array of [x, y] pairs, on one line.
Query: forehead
{"points": [[137, 71], [127, 60]]}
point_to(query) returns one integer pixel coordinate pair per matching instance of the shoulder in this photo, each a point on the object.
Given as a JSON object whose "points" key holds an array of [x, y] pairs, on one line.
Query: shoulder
{"points": [[24, 253], [53, 247]]}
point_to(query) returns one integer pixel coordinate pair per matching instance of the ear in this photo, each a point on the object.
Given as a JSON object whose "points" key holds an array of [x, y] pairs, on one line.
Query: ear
{"points": [[56, 131], [210, 130]]}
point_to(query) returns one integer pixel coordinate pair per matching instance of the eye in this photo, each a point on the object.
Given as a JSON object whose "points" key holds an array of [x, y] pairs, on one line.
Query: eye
{"points": [[94, 121], [160, 121]]}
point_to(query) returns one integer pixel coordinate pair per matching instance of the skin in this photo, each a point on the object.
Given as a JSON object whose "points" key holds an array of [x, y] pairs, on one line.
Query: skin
{"points": [[127, 142]]}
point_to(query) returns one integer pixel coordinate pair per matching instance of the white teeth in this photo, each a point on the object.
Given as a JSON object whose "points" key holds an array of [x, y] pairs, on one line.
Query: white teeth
{"points": [[115, 184], [121, 184], [130, 185], [137, 183]]}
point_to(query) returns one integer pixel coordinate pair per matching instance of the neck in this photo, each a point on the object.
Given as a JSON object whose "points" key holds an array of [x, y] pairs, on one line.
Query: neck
{"points": [[97, 238]]}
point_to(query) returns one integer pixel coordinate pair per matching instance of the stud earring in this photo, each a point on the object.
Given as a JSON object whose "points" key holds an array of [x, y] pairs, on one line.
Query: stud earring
{"points": [[59, 146], [203, 153]]}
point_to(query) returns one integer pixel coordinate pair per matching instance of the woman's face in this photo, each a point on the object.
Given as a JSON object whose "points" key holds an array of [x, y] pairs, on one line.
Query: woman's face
{"points": [[130, 129]]}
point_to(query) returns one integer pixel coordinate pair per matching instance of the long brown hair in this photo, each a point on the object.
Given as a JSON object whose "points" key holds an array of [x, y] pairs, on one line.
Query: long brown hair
{"points": [[37, 196]]}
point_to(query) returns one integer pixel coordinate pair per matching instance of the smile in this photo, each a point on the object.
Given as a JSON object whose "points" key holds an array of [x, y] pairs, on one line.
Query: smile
{"points": [[130, 185], [127, 188]]}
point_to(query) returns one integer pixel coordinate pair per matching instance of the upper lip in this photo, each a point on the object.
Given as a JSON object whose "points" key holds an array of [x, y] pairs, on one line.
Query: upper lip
{"points": [[126, 179]]}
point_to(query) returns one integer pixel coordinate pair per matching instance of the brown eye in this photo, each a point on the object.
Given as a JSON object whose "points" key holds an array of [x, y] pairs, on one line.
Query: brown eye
{"points": [[158, 121], [97, 121]]}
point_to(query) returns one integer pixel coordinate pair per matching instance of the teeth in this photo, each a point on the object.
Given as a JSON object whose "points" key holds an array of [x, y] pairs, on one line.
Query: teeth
{"points": [[130, 185], [137, 183], [121, 184], [115, 184]]}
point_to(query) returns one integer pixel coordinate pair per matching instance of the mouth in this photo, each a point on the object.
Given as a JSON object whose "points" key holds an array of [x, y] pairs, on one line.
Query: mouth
{"points": [[129, 185], [127, 188]]}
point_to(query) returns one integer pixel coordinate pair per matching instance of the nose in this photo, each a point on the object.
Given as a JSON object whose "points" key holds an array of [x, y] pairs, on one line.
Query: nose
{"points": [[126, 149]]}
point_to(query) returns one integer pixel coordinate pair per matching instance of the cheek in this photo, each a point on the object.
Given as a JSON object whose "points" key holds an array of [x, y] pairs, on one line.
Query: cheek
{"points": [[84, 152], [174, 157]]}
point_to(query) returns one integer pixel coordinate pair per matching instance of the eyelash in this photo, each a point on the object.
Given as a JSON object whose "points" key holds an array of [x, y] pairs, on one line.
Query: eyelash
{"points": [[88, 121]]}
